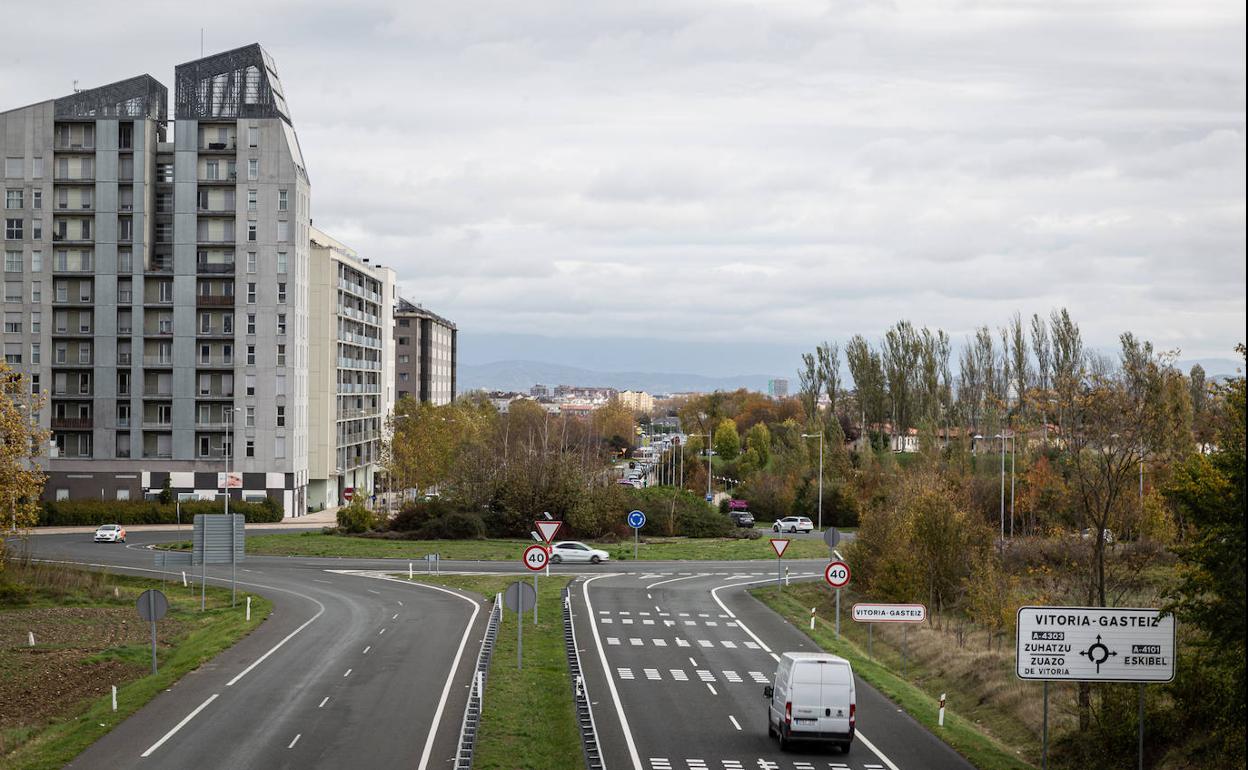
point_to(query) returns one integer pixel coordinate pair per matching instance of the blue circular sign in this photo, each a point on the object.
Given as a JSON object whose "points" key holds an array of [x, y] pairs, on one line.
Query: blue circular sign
{"points": [[636, 519]]}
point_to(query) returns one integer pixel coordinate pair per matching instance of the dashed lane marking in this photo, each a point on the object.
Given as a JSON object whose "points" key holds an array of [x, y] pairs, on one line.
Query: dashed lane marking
{"points": [[659, 642], [612, 640], [296, 740], [734, 721], [635, 641]]}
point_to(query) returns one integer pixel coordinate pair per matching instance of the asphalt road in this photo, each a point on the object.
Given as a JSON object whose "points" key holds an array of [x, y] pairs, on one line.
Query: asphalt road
{"points": [[347, 672], [676, 666]]}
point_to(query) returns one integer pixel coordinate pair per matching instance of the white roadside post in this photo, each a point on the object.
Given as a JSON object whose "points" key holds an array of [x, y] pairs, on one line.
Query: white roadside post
{"points": [[114, 697], [940, 718], [248, 609], [812, 618]]}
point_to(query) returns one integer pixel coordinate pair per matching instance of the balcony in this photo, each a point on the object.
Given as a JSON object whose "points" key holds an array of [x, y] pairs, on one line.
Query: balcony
{"points": [[158, 300], [68, 332], [158, 361], [72, 268], [215, 268], [123, 359], [157, 454], [214, 300], [82, 178], [72, 423], [215, 331], [159, 266], [228, 178], [155, 423], [216, 393], [214, 362], [217, 147], [158, 332], [224, 426]]}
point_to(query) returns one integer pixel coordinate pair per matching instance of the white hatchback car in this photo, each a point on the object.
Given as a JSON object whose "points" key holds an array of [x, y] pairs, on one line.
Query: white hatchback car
{"points": [[793, 524], [110, 533], [572, 551]]}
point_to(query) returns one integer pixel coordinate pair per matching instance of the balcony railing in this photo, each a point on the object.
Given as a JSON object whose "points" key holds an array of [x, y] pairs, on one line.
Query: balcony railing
{"points": [[73, 423], [214, 361], [229, 177], [214, 331], [158, 360], [157, 454], [71, 267], [215, 267], [216, 393], [157, 300], [158, 332], [159, 266], [199, 425], [217, 300], [155, 423], [154, 393]]}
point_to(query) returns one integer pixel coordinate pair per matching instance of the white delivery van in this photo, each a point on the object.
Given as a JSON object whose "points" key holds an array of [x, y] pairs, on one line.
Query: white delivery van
{"points": [[812, 698]]}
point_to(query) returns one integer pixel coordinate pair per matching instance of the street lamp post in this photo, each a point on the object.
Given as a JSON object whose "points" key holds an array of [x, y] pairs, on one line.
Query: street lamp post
{"points": [[820, 435], [1001, 436], [709, 495]]}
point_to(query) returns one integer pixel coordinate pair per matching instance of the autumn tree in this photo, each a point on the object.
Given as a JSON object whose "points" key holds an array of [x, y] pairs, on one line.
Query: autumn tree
{"points": [[727, 440], [21, 478]]}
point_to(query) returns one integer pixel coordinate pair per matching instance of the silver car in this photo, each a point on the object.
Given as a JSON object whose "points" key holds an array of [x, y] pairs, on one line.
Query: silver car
{"points": [[572, 551], [110, 533], [793, 524]]}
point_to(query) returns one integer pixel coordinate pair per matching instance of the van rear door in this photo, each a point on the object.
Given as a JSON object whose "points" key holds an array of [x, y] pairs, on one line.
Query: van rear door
{"points": [[836, 694], [806, 696]]}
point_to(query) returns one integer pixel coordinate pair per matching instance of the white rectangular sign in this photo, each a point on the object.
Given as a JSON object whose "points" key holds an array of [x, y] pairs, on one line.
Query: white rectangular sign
{"points": [[890, 613], [1095, 644]]}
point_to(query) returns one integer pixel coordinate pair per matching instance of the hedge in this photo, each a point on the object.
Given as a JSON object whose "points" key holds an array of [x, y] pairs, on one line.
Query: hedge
{"points": [[65, 513]]}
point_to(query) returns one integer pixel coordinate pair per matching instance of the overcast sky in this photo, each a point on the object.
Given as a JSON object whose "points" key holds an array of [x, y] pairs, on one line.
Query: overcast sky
{"points": [[782, 171]]}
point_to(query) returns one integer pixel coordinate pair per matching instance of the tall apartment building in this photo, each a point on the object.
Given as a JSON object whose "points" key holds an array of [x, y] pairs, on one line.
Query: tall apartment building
{"points": [[351, 368], [157, 291], [426, 352]]}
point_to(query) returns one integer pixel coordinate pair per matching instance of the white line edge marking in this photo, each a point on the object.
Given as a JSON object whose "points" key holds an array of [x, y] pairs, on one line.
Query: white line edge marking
{"points": [[296, 740], [348, 672], [366, 649], [711, 687], [179, 726], [321, 705], [673, 580], [741, 624], [395, 616], [615, 695], [450, 678], [734, 721]]}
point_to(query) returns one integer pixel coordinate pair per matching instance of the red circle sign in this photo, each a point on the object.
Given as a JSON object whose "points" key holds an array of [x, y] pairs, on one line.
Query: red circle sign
{"points": [[348, 493], [837, 574], [536, 557]]}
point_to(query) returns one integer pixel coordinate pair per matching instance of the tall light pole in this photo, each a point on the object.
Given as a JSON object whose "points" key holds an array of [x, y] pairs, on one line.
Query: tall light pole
{"points": [[820, 435], [1013, 462], [709, 495], [1001, 436]]}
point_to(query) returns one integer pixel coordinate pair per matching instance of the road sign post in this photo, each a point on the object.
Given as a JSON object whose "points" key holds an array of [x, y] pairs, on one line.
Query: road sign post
{"points": [[536, 558], [837, 575], [1095, 644], [152, 606], [779, 545], [546, 530], [636, 520], [519, 597]]}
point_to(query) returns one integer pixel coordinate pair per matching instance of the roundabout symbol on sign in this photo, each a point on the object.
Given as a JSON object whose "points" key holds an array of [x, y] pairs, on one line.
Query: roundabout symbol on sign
{"points": [[1098, 653], [535, 557], [636, 519], [837, 574]]}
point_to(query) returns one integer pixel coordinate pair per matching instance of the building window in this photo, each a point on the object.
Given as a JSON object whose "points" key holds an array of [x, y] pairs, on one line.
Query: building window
{"points": [[36, 261], [251, 232], [281, 262], [211, 170], [249, 417], [36, 322], [35, 352], [251, 323], [36, 291], [253, 136], [283, 231], [13, 199], [36, 199], [251, 200], [283, 200], [281, 291], [36, 171], [12, 261], [253, 169], [250, 448], [13, 168], [279, 447], [251, 261], [13, 229], [281, 416], [281, 323], [249, 382], [281, 355], [251, 355], [251, 294]]}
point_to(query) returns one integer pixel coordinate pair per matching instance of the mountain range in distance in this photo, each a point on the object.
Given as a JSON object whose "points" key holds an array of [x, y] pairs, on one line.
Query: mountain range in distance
{"points": [[522, 375]]}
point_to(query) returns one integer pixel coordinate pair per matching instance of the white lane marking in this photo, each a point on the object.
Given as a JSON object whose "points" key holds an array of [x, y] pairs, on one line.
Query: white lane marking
{"points": [[296, 740], [734, 721], [612, 640], [178, 726], [382, 631], [615, 694], [450, 677], [648, 596], [647, 622], [760, 677], [691, 622], [277, 646], [729, 645], [673, 580], [711, 687], [635, 641], [400, 602], [366, 649], [652, 674], [660, 763], [732, 676], [693, 663], [326, 582], [348, 673], [681, 642], [656, 609], [395, 616], [659, 642], [321, 705], [712, 623], [626, 621], [752, 645], [678, 674], [706, 676], [371, 591], [606, 620], [857, 733], [706, 643], [644, 614], [624, 673]]}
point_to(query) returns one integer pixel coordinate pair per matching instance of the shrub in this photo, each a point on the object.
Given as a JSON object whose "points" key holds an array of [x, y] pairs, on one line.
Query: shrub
{"points": [[453, 526], [416, 513], [704, 523], [355, 518], [64, 513]]}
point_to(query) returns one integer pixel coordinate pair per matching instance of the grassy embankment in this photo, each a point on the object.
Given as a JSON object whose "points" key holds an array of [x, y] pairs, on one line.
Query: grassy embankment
{"points": [[650, 549], [88, 636], [988, 710], [527, 717]]}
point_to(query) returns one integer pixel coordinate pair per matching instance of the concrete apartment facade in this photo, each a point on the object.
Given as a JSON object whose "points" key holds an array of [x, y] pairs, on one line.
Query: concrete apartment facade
{"points": [[426, 354], [351, 369], [159, 291]]}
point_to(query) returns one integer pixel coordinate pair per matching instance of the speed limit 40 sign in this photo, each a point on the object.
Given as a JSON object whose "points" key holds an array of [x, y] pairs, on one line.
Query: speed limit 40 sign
{"points": [[837, 574], [535, 557]]}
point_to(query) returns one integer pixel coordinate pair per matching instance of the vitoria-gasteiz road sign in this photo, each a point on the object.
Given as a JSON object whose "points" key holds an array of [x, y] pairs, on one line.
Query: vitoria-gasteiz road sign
{"points": [[837, 574], [864, 612], [535, 557], [1095, 644]]}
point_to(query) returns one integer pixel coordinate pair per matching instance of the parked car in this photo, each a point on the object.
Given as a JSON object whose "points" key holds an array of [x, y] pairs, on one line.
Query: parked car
{"points": [[742, 518], [812, 698], [572, 551], [793, 524], [110, 533], [1090, 534]]}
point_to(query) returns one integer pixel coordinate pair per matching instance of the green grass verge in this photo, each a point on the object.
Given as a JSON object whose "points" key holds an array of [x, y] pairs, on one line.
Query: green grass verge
{"points": [[527, 717], [651, 549], [203, 636], [959, 732]]}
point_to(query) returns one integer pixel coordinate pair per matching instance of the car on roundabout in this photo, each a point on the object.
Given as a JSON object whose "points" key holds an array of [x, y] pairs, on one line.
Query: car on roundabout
{"points": [[793, 524], [573, 552], [110, 533]]}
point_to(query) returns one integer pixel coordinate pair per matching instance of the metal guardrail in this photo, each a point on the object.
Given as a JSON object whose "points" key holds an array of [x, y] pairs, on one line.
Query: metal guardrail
{"points": [[580, 692], [476, 690]]}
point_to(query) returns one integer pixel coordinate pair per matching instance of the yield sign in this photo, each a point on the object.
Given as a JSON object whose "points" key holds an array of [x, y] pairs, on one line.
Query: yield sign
{"points": [[779, 545], [547, 529]]}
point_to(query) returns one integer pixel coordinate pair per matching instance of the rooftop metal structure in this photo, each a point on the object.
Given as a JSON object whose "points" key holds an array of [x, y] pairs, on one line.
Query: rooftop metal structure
{"points": [[137, 97], [241, 83], [408, 307]]}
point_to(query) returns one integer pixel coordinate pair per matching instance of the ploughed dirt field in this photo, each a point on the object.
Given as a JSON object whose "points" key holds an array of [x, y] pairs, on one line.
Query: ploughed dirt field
{"points": [[75, 656]]}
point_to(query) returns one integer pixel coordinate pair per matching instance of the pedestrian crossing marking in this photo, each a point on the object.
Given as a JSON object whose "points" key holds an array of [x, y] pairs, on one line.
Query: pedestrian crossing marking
{"points": [[647, 622], [652, 674], [604, 612], [696, 764], [732, 764], [752, 645], [659, 642], [625, 612], [681, 642], [759, 676], [712, 623], [732, 676], [660, 763], [626, 621], [612, 640], [679, 675], [691, 622], [728, 644], [624, 673], [731, 624], [635, 641], [683, 614], [669, 623], [706, 676], [606, 620], [706, 643]]}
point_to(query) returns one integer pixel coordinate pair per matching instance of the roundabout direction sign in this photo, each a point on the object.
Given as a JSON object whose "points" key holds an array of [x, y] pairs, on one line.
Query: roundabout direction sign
{"points": [[636, 520]]}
